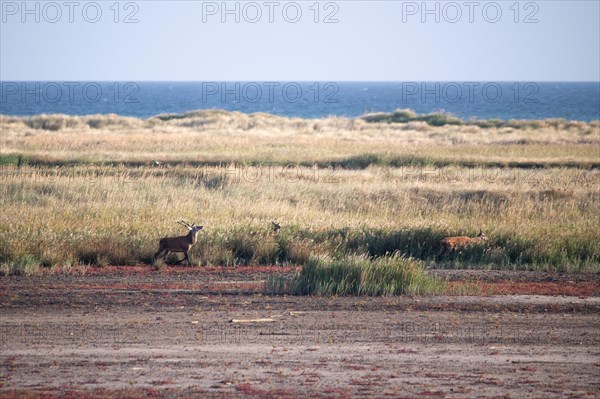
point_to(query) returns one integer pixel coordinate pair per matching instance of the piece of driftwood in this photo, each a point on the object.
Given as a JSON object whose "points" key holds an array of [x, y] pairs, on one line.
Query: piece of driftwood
{"points": [[252, 320]]}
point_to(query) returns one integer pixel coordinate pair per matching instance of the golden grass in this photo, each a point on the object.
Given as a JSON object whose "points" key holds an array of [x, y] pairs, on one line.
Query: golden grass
{"points": [[111, 215], [98, 214], [219, 136]]}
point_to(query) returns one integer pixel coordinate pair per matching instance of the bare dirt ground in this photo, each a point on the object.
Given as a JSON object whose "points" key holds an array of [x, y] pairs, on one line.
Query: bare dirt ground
{"points": [[210, 333]]}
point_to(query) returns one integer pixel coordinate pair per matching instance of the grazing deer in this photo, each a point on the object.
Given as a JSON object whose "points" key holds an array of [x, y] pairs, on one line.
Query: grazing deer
{"points": [[179, 244], [276, 226], [449, 244]]}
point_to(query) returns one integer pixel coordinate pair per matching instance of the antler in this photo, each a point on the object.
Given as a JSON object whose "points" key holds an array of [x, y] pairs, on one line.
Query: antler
{"points": [[184, 223]]}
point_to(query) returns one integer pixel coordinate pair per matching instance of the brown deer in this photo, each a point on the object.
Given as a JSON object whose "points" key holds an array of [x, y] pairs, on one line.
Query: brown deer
{"points": [[450, 244], [179, 244]]}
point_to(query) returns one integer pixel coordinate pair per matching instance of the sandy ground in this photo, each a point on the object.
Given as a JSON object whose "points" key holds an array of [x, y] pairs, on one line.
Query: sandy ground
{"points": [[181, 332]]}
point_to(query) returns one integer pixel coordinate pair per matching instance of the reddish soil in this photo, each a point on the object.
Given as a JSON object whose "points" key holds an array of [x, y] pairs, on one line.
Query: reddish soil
{"points": [[136, 332], [583, 289]]}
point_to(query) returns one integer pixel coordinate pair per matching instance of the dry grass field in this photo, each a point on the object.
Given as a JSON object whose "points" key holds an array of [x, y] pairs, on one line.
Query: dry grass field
{"points": [[87, 190]]}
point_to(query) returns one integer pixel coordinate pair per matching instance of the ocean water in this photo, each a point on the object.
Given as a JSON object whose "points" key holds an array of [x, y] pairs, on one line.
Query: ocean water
{"points": [[480, 100]]}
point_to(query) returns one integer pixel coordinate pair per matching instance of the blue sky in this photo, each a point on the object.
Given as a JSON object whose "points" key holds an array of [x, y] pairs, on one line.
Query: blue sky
{"points": [[371, 41]]}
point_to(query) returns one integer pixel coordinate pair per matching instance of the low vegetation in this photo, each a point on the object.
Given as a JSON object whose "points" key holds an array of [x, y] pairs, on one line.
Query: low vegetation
{"points": [[445, 119], [358, 275]]}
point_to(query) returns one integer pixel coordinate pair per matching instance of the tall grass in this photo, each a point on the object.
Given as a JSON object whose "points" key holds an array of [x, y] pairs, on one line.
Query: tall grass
{"points": [[84, 191], [358, 275], [113, 215]]}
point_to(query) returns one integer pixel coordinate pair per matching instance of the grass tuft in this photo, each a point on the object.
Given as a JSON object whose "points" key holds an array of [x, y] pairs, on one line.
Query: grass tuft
{"points": [[359, 275], [26, 265]]}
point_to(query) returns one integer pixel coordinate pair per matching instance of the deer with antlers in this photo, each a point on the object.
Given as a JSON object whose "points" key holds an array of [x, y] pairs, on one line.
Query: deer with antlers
{"points": [[179, 244]]}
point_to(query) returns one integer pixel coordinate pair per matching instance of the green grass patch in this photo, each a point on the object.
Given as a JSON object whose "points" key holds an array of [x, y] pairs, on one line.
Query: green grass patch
{"points": [[444, 119], [359, 275], [26, 265], [407, 115]]}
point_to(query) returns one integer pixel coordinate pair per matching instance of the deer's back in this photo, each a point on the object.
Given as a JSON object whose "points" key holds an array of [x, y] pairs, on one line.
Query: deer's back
{"points": [[456, 242]]}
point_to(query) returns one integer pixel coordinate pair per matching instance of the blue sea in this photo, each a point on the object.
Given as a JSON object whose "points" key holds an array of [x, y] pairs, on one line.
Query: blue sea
{"points": [[467, 100]]}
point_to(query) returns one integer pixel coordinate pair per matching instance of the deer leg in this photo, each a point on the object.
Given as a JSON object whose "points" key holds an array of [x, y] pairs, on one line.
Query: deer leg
{"points": [[441, 251], [158, 253], [180, 260]]}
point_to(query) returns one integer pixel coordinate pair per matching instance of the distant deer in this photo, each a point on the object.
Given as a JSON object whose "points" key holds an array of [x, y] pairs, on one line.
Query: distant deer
{"points": [[450, 244], [276, 226], [179, 244]]}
